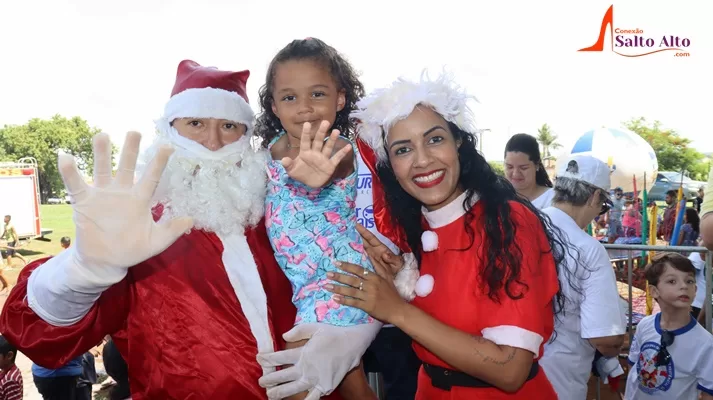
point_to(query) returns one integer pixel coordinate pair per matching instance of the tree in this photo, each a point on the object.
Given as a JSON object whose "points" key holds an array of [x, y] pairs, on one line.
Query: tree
{"points": [[548, 140], [672, 151], [42, 140], [497, 166]]}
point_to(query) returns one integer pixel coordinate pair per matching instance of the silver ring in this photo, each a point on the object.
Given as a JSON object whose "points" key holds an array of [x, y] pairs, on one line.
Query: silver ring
{"points": [[361, 285], [366, 272]]}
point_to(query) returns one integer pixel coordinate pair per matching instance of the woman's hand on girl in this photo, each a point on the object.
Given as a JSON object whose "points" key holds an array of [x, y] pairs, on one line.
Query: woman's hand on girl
{"points": [[315, 164], [372, 292]]}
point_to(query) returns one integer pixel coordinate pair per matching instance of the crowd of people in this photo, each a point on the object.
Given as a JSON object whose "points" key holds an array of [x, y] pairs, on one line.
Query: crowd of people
{"points": [[249, 277]]}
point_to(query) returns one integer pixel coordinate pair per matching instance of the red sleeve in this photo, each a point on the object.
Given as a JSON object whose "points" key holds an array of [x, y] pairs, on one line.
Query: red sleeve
{"points": [[12, 390], [539, 284], [53, 346]]}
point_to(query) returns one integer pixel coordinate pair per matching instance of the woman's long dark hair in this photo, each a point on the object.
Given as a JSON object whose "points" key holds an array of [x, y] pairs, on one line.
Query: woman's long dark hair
{"points": [[524, 143], [503, 265], [693, 219], [268, 126]]}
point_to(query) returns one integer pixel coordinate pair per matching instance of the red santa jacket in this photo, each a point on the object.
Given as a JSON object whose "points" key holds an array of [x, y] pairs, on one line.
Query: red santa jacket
{"points": [[175, 318]]}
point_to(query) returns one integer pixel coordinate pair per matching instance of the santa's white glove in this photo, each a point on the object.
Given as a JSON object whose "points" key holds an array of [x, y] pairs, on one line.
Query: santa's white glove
{"points": [[114, 226], [114, 231], [320, 365]]}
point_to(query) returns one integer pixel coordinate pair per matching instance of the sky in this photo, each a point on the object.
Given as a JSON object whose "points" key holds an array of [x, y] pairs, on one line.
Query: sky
{"points": [[114, 63]]}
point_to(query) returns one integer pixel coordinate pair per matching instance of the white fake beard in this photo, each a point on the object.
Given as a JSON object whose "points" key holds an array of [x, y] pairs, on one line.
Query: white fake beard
{"points": [[223, 196]]}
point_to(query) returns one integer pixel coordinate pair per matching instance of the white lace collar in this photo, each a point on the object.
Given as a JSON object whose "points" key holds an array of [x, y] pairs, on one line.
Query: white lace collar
{"points": [[448, 213]]}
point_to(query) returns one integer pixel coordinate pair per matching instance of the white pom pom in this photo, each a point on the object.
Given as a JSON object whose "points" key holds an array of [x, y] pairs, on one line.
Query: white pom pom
{"points": [[424, 285], [429, 241]]}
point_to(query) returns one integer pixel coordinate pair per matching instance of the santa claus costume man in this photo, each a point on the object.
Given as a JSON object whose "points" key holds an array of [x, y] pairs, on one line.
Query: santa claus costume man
{"points": [[177, 267]]}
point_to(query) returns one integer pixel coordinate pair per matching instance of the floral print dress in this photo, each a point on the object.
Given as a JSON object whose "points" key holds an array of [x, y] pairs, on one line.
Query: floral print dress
{"points": [[310, 229]]}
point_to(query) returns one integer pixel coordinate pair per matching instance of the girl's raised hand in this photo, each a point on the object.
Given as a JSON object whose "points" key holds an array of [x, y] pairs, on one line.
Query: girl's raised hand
{"points": [[315, 164]]}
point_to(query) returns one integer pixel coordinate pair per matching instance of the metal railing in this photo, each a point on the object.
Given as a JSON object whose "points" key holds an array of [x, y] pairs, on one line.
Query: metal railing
{"points": [[638, 248]]}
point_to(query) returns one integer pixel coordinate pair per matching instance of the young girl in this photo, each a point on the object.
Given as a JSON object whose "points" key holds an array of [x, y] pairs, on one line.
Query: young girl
{"points": [[310, 206]]}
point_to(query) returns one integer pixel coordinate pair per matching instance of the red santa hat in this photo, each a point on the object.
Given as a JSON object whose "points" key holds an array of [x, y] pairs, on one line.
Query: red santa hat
{"points": [[207, 92]]}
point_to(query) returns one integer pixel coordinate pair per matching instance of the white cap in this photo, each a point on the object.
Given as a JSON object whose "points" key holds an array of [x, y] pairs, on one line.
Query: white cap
{"points": [[586, 169]]}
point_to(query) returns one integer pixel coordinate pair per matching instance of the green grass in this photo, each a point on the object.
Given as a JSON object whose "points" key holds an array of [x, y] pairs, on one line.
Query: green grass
{"points": [[57, 217]]}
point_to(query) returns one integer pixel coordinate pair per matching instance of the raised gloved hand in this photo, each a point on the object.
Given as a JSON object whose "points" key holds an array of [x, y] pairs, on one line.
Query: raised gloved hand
{"points": [[320, 365], [114, 226]]}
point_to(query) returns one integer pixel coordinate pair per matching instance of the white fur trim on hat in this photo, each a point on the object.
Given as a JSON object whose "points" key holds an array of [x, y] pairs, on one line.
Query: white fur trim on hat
{"points": [[209, 103], [381, 109]]}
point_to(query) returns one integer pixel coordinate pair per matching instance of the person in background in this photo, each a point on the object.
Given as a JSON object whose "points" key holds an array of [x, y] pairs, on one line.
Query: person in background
{"points": [[58, 384], [525, 171], [614, 217], [699, 263], [592, 319], [669, 216], [631, 219], [699, 198], [670, 354], [691, 228], [117, 369], [10, 375], [88, 377], [706, 211], [9, 234], [70, 381]]}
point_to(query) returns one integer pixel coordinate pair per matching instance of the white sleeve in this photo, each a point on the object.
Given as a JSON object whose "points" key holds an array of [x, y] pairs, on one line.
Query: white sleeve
{"points": [[697, 261], [634, 348], [61, 291], [514, 336], [601, 315], [704, 369]]}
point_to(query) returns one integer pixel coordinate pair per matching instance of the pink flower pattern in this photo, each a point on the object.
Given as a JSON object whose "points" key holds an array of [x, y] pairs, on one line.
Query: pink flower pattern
{"points": [[309, 230]]}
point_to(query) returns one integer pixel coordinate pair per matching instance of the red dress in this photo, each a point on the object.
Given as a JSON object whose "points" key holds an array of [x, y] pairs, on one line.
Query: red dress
{"points": [[458, 299], [175, 318]]}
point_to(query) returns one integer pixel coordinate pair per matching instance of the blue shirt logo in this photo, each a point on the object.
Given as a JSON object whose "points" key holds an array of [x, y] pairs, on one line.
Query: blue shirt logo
{"points": [[365, 216], [364, 181], [651, 378]]}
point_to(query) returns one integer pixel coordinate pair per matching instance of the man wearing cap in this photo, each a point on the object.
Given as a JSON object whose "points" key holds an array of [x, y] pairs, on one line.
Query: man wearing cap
{"points": [[177, 267], [593, 318]]}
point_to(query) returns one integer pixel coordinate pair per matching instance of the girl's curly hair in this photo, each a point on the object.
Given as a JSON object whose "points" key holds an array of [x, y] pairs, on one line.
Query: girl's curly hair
{"points": [[268, 125]]}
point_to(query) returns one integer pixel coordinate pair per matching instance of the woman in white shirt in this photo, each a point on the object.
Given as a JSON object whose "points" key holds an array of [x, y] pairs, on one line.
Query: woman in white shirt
{"points": [[525, 171], [592, 319], [699, 262]]}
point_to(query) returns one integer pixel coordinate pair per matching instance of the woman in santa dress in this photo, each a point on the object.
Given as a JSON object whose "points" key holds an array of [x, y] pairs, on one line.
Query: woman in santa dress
{"points": [[488, 286]]}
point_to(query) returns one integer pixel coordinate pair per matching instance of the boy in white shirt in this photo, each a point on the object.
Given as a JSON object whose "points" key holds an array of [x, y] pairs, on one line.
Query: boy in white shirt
{"points": [[671, 356]]}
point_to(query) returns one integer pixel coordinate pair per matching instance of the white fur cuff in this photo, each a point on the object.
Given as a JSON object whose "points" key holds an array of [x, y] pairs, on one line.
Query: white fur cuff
{"points": [[405, 280], [514, 336]]}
